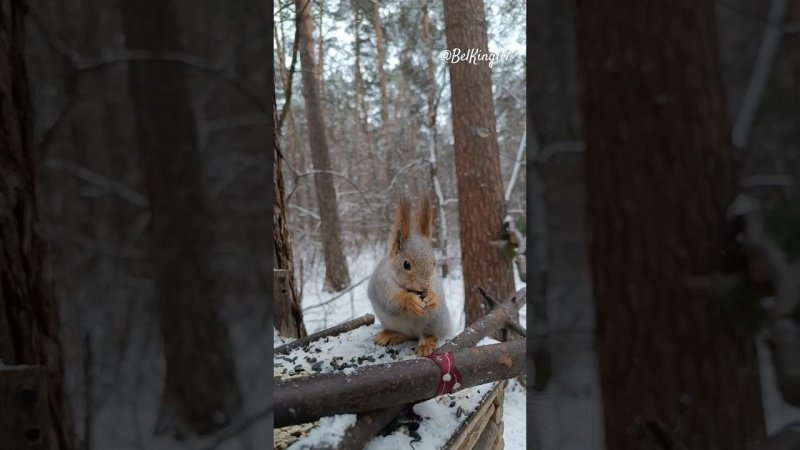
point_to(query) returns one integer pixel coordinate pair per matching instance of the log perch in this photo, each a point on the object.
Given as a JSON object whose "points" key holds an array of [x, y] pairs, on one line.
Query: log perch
{"points": [[372, 422], [366, 319], [302, 400]]}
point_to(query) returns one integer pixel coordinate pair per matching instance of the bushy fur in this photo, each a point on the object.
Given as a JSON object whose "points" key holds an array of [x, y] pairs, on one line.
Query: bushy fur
{"points": [[405, 293]]}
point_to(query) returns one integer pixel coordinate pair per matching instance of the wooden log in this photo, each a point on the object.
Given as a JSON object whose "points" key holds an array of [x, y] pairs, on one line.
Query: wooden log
{"points": [[301, 400], [369, 424], [366, 319], [24, 415], [488, 436], [500, 443], [463, 437]]}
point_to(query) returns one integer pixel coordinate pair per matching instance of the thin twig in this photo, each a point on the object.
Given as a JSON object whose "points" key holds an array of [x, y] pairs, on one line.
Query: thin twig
{"points": [[339, 295]]}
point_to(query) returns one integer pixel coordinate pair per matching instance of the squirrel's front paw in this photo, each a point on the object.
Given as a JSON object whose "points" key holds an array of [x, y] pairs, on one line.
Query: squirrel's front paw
{"points": [[408, 301], [431, 301]]}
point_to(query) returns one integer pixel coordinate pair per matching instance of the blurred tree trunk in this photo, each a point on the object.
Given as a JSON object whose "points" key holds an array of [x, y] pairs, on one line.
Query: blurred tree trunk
{"points": [[29, 317], [659, 170], [361, 106], [430, 120], [384, 110], [201, 393], [481, 206], [337, 276], [294, 152], [288, 312]]}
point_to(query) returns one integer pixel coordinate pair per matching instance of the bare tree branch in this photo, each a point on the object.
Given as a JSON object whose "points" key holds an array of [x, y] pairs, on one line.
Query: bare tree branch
{"points": [[761, 72], [517, 164], [116, 188]]}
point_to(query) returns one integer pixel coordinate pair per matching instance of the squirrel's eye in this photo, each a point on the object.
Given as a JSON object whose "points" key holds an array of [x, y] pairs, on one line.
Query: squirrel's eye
{"points": [[406, 265]]}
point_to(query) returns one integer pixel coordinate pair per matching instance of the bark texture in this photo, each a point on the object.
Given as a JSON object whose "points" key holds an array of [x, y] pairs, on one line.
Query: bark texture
{"points": [[659, 177], [481, 206], [288, 313], [337, 276], [29, 319], [201, 393]]}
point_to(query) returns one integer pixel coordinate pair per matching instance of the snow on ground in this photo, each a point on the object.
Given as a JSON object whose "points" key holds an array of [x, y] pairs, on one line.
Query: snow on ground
{"points": [[318, 314], [440, 417]]}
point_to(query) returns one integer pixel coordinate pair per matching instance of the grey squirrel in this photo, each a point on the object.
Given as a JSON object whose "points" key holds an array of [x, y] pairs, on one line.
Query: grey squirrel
{"points": [[404, 291]]}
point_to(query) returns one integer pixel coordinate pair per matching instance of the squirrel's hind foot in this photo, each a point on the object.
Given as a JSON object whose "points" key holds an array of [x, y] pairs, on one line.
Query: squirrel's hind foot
{"points": [[389, 337], [426, 345]]}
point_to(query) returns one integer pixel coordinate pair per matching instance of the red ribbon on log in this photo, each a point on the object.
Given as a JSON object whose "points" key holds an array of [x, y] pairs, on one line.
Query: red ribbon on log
{"points": [[449, 377]]}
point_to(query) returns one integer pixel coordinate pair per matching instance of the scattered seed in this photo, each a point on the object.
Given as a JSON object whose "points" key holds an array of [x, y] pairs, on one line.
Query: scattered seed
{"points": [[311, 359], [415, 417], [452, 404], [413, 426], [317, 367], [298, 368], [459, 412]]}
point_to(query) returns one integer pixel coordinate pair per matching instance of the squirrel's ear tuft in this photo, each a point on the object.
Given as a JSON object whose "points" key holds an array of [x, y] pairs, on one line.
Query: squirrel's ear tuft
{"points": [[425, 217], [402, 224]]}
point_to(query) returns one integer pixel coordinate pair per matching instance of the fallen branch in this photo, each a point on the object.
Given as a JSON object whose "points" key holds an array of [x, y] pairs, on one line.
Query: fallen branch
{"points": [[366, 319], [305, 399], [370, 423]]}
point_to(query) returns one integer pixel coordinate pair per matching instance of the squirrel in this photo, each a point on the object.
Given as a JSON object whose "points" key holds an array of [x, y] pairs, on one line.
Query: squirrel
{"points": [[404, 291]]}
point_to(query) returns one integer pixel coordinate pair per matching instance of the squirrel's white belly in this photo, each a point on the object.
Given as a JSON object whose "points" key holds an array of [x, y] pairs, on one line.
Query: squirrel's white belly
{"points": [[400, 323]]}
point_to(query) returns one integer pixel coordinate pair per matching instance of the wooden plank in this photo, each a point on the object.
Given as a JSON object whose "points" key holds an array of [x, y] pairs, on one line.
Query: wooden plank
{"points": [[24, 417], [488, 436], [478, 426], [460, 436]]}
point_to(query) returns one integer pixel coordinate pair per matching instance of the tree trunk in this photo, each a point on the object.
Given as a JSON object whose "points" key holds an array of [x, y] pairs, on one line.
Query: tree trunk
{"points": [[481, 207], [293, 152], [288, 313], [384, 110], [337, 276], [29, 319], [201, 393], [430, 119], [362, 111], [659, 170]]}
